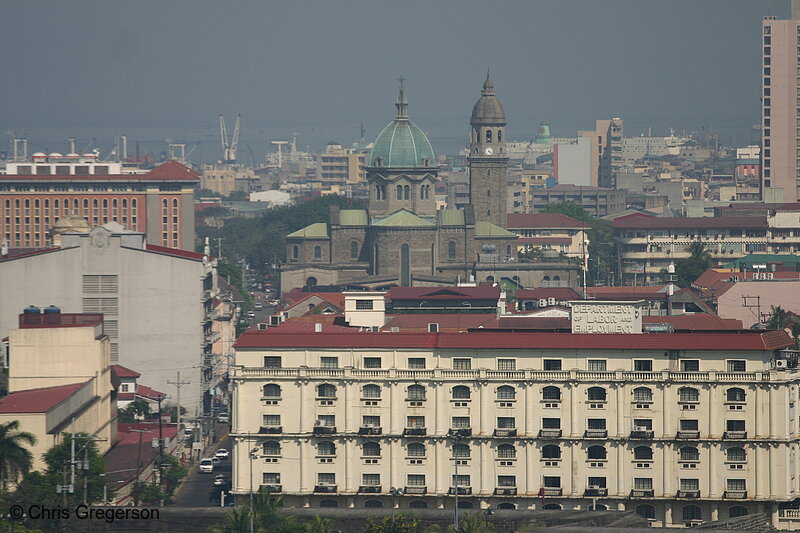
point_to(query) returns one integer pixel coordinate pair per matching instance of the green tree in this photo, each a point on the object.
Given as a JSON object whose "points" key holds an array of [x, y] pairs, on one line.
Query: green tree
{"points": [[474, 523], [236, 521], [173, 474], [399, 523], [778, 319], [60, 455], [602, 250], [319, 525], [15, 459], [692, 267], [136, 410], [147, 493]]}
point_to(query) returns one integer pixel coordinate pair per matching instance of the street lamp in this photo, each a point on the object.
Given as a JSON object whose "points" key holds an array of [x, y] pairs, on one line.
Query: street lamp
{"points": [[395, 491], [252, 455], [489, 511]]}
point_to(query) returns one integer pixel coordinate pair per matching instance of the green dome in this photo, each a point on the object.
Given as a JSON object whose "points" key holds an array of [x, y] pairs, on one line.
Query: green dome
{"points": [[402, 144]]}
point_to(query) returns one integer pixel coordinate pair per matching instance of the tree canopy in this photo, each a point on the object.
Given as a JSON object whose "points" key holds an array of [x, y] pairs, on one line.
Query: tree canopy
{"points": [[692, 267]]}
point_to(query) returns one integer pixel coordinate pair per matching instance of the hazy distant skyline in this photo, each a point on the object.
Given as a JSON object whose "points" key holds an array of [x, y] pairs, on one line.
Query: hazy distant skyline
{"points": [[301, 65]]}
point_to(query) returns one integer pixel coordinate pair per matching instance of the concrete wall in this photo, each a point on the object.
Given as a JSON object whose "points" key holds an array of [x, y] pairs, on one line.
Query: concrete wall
{"points": [[572, 163]]}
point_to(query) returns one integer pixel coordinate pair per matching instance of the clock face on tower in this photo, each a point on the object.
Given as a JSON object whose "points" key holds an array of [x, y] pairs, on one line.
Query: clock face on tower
{"points": [[489, 151]]}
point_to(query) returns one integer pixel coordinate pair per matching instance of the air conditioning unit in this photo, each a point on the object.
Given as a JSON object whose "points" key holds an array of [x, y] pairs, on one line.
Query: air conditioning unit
{"points": [[262, 326], [641, 428], [394, 329]]}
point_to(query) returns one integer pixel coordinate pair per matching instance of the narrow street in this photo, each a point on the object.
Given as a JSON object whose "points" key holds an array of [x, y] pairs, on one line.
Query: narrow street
{"points": [[197, 490]]}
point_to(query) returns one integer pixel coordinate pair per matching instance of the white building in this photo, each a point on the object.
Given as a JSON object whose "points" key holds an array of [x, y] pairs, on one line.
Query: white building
{"points": [[680, 427], [156, 302]]}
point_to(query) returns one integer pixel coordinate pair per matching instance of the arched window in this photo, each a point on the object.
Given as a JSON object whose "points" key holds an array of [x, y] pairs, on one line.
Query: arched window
{"points": [[488, 136], [642, 394], [508, 250], [272, 447], [378, 192], [551, 393], [506, 505], [643, 453], [460, 392], [326, 390], [465, 504], [311, 281], [272, 390], [318, 252], [295, 252], [164, 203], [646, 511], [551, 451], [329, 503], [326, 447], [598, 507], [371, 391], [415, 449], [451, 250], [461, 451], [499, 136], [736, 455], [737, 510], [477, 135], [688, 395], [354, 249], [506, 451], [597, 394], [596, 452], [373, 504], [692, 512], [406, 192], [399, 191], [174, 203], [418, 504], [416, 392], [552, 507], [546, 278], [735, 394], [506, 392], [556, 278], [689, 453], [371, 449]]}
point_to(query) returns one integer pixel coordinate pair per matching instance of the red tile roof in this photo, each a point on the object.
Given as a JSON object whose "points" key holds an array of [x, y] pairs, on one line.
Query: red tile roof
{"points": [[302, 326], [146, 392], [172, 170], [476, 339], [297, 296], [175, 252], [38, 400], [544, 240], [444, 293], [657, 292], [169, 171], [543, 220], [455, 321], [122, 372], [559, 293], [696, 322], [127, 437], [639, 221]]}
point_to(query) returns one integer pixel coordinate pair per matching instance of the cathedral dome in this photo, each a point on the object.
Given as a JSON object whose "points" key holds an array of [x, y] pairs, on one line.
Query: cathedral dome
{"points": [[402, 144], [488, 109]]}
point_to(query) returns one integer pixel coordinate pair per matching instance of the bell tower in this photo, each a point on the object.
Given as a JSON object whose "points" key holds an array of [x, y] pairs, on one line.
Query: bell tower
{"points": [[488, 158]]}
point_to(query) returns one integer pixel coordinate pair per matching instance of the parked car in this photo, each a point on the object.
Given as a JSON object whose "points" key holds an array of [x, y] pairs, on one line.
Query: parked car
{"points": [[220, 479], [222, 453], [215, 461], [207, 465], [223, 418]]}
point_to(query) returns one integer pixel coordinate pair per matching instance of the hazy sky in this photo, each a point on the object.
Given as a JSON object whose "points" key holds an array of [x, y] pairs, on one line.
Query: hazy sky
{"points": [[331, 64]]}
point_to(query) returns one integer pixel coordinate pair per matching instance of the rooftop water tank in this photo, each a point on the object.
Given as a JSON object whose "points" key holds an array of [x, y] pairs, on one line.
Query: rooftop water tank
{"points": [[31, 315], [52, 314]]}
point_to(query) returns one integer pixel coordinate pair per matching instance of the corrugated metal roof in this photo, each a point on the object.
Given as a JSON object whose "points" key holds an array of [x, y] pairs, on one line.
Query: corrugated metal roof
{"points": [[317, 230], [404, 219], [451, 217], [487, 229], [353, 217], [37, 400]]}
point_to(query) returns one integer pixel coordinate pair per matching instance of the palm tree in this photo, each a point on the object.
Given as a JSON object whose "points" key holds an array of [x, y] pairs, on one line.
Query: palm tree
{"points": [[473, 523], [698, 250], [15, 459], [778, 319], [236, 521], [319, 525]]}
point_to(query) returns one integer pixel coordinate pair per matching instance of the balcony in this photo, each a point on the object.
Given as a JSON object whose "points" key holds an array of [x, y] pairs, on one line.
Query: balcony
{"points": [[369, 489], [549, 433], [595, 434], [642, 493], [734, 435], [270, 430], [460, 432], [418, 431], [642, 434], [505, 491], [595, 492], [688, 494], [550, 491], [324, 430], [462, 491], [273, 488], [370, 430], [416, 489], [505, 432], [734, 494], [327, 489], [687, 435]]}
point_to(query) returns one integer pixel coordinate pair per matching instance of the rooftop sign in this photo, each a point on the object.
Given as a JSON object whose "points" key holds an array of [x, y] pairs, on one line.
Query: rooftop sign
{"points": [[606, 316]]}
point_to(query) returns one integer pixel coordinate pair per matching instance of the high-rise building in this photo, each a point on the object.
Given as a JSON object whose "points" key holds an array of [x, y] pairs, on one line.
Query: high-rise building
{"points": [[780, 140], [606, 147]]}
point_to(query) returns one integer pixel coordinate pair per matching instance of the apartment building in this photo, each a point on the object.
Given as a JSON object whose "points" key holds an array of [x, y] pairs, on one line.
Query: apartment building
{"points": [[550, 231], [606, 151], [780, 137], [340, 165], [35, 195], [597, 201], [680, 427]]}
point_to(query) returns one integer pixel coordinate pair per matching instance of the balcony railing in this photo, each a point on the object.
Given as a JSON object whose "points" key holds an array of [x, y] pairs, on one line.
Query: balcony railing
{"points": [[270, 430], [416, 431], [369, 489], [506, 432], [416, 489], [685, 434], [273, 488], [324, 430], [550, 491], [505, 491], [325, 488], [734, 435], [642, 493], [460, 432], [370, 430], [688, 494], [734, 494], [642, 434], [596, 491], [462, 491], [549, 433], [595, 434]]}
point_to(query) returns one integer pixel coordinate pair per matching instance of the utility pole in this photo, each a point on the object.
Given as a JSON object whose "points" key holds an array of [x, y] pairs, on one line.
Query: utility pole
{"points": [[178, 384], [72, 457]]}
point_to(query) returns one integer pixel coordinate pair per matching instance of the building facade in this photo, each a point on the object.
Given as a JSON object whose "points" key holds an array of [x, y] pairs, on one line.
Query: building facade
{"points": [[681, 428], [35, 196], [606, 151], [598, 201]]}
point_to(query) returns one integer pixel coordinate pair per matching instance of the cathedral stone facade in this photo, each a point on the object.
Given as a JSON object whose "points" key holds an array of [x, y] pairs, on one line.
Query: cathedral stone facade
{"points": [[402, 238]]}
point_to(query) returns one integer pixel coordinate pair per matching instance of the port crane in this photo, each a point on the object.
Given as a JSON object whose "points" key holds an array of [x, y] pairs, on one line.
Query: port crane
{"points": [[229, 150]]}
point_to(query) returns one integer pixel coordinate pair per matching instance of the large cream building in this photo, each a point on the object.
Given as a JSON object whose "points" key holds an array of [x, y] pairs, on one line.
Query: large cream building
{"points": [[680, 427]]}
